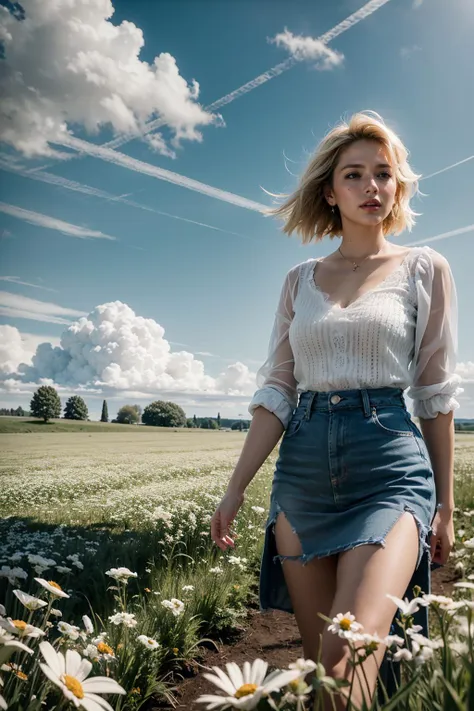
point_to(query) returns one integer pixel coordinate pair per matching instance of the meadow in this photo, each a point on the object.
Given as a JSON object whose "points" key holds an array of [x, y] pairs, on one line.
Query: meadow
{"points": [[108, 529]]}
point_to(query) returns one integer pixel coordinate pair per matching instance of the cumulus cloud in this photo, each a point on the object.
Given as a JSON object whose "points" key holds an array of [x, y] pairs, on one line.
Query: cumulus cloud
{"points": [[113, 349], [87, 71], [301, 48]]}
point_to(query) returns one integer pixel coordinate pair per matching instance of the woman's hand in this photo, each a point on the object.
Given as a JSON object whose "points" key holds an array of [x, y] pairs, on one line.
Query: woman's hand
{"points": [[442, 538], [223, 517]]}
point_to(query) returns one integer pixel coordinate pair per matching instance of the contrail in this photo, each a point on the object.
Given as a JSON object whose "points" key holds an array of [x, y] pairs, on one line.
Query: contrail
{"points": [[154, 171], [443, 235], [448, 167], [61, 182], [37, 218], [361, 14]]}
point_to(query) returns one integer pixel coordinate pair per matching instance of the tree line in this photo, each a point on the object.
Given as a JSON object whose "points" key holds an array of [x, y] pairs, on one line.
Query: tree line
{"points": [[46, 405]]}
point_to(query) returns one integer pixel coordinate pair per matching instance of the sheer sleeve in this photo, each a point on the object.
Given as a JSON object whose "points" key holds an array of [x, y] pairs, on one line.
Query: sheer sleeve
{"points": [[434, 384], [275, 379]]}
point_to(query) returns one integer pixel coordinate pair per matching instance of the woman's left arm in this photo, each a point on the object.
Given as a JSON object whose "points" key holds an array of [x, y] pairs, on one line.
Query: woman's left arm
{"points": [[435, 386]]}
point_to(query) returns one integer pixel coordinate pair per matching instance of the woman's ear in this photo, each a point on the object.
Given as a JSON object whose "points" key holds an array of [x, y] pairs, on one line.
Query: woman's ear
{"points": [[327, 192]]}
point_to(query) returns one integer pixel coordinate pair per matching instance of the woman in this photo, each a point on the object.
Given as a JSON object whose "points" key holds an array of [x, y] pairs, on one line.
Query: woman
{"points": [[361, 500]]}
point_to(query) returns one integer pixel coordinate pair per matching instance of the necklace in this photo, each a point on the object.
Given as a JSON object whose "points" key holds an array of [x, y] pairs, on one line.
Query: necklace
{"points": [[354, 264]]}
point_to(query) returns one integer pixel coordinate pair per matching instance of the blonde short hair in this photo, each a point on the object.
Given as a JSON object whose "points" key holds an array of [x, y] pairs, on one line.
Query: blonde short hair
{"points": [[307, 211]]}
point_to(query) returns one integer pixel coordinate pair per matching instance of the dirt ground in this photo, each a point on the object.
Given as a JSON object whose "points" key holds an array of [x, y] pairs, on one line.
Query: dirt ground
{"points": [[273, 636]]}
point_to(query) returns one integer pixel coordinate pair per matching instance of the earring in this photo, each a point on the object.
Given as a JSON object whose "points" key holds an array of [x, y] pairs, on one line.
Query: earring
{"points": [[333, 210]]}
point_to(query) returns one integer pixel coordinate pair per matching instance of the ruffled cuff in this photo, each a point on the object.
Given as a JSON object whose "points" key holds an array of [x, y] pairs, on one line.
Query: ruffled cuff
{"points": [[273, 400], [429, 400]]}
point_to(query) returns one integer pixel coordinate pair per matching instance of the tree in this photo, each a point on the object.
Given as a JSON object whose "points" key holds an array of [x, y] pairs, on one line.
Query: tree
{"points": [[195, 421], [76, 409], [139, 411], [164, 414], [46, 403], [105, 412], [190, 423], [19, 412], [219, 420], [127, 415]]}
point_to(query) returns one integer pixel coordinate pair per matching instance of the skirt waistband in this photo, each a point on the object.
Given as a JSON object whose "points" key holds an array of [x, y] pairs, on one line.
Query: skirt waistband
{"points": [[367, 398]]}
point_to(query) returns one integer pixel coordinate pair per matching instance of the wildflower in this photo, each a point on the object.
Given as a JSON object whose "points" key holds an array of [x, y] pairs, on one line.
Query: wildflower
{"points": [[104, 648], [121, 575], [344, 625], [469, 543], [70, 672], [52, 587], [304, 666], [89, 627], [55, 612], [176, 606], [68, 630], [21, 628], [464, 585], [123, 618], [14, 575], [257, 509], [244, 688], [408, 608], [91, 652], [147, 642], [29, 601], [185, 588], [216, 571]]}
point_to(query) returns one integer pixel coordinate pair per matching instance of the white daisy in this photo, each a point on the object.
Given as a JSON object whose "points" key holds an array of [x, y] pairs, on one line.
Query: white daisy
{"points": [[123, 618], [147, 642], [345, 625], [55, 612], [185, 588], [68, 630], [408, 608], [52, 587], [175, 605], [121, 574], [70, 672], [21, 628], [244, 688], [29, 601]]}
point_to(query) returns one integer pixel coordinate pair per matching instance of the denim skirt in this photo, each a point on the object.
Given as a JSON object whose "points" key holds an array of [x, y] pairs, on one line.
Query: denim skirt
{"points": [[350, 463]]}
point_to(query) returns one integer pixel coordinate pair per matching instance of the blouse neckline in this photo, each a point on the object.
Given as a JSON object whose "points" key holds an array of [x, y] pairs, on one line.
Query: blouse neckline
{"points": [[326, 297]]}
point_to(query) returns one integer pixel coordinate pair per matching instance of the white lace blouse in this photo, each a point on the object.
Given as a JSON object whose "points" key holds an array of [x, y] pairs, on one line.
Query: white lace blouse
{"points": [[402, 333]]}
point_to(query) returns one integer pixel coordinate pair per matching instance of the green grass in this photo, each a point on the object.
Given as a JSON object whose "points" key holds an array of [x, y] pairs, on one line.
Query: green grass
{"points": [[20, 425]]}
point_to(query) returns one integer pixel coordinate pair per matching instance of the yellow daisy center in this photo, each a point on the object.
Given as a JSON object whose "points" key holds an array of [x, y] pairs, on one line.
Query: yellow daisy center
{"points": [[245, 690], [104, 648], [73, 685], [345, 623], [21, 675], [175, 649], [20, 624], [54, 585]]}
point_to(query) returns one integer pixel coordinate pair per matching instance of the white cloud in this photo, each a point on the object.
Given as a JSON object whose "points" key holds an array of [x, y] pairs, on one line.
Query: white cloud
{"points": [[113, 349], [87, 71], [17, 306], [466, 371], [406, 52], [17, 280], [52, 223], [16, 347], [309, 48]]}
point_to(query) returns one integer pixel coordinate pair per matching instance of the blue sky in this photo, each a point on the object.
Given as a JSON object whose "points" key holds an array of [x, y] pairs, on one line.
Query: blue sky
{"points": [[193, 269]]}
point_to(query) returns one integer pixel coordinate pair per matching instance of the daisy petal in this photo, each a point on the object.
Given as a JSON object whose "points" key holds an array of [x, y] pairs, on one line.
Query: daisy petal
{"points": [[51, 675], [84, 670], [97, 703], [73, 662], [51, 657], [102, 685], [214, 701], [235, 674], [222, 683]]}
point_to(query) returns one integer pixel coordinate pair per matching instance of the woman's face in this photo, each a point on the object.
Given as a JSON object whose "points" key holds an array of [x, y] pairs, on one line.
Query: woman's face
{"points": [[363, 172]]}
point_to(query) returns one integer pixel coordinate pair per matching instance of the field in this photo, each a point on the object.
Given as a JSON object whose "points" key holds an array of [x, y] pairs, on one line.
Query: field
{"points": [[78, 503]]}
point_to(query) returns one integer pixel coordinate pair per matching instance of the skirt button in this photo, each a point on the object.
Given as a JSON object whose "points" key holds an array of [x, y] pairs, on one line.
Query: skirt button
{"points": [[335, 399]]}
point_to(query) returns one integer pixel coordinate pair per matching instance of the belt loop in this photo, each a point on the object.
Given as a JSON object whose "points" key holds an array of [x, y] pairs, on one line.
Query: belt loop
{"points": [[307, 414], [365, 402]]}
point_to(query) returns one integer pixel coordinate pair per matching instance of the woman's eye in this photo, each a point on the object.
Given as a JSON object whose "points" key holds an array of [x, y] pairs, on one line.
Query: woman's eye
{"points": [[387, 175]]}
